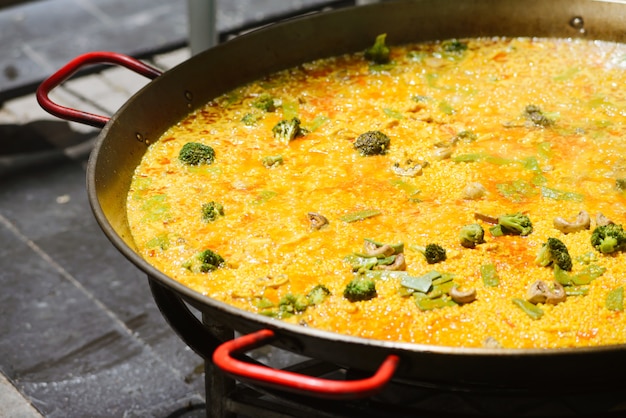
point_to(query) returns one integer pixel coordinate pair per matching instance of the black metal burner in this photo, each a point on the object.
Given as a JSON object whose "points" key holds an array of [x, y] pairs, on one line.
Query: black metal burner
{"points": [[227, 397]]}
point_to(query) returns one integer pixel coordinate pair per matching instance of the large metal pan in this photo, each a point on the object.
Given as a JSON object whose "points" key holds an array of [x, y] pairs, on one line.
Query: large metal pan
{"points": [[170, 96]]}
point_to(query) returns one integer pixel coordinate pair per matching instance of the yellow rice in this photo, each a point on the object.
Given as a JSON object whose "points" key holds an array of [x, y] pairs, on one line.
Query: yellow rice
{"points": [[423, 98]]}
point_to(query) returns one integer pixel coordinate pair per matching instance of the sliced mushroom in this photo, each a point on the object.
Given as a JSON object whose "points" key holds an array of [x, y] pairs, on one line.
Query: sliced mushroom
{"points": [[462, 296], [474, 191], [399, 264], [556, 295], [537, 292], [317, 221], [442, 153], [411, 171], [582, 221], [602, 220], [540, 292], [373, 250]]}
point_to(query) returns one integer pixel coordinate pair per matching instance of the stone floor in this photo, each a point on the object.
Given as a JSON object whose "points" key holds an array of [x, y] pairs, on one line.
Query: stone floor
{"points": [[80, 334]]}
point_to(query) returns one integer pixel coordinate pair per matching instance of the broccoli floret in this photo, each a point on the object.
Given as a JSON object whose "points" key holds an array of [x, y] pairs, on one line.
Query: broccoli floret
{"points": [[360, 289], [620, 184], [250, 119], [293, 304], [211, 211], [554, 251], [379, 52], [195, 153], [512, 224], [204, 262], [534, 114], [287, 130], [434, 253], [453, 46], [609, 238], [372, 143], [471, 235], [272, 161], [265, 102], [318, 294]]}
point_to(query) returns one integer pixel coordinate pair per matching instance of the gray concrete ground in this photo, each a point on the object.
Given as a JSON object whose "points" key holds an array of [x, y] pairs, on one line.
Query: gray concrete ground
{"points": [[74, 342]]}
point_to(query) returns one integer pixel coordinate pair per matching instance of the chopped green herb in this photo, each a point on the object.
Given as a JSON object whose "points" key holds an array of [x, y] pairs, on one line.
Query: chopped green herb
{"points": [[290, 109], [446, 107], [517, 190], [264, 196], [317, 122], [263, 303], [567, 74], [407, 188], [392, 113], [161, 241], [156, 207], [544, 149]]}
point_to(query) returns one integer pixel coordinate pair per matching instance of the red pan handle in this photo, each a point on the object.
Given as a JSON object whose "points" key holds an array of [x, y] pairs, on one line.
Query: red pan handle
{"points": [[98, 57], [294, 382]]}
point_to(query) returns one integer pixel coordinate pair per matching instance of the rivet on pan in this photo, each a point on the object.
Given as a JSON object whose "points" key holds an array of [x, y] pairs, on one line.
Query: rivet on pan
{"points": [[188, 95], [139, 137], [578, 23]]}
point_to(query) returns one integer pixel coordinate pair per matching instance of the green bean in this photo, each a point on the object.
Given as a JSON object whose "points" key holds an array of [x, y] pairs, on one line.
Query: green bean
{"points": [[360, 215], [615, 300], [576, 291], [531, 310], [440, 289], [421, 283], [489, 275], [561, 195], [427, 304], [407, 188]]}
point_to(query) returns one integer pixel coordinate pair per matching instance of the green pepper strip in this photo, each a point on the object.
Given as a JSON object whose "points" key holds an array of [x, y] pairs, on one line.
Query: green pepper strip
{"points": [[440, 290], [531, 310], [360, 215], [360, 263], [489, 275], [427, 304], [585, 276], [555, 194], [576, 291], [615, 300], [421, 283]]}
